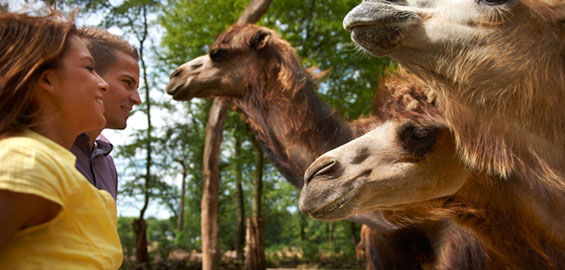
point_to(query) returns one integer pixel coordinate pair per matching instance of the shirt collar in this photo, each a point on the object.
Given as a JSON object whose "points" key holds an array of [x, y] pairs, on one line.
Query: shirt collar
{"points": [[101, 145]]}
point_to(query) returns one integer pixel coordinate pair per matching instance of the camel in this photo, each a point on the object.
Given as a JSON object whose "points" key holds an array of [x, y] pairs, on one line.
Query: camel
{"points": [[408, 167], [259, 72], [498, 68], [448, 241]]}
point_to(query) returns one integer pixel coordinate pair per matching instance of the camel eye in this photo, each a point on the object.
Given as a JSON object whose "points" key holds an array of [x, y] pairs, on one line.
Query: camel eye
{"points": [[417, 140], [492, 2], [217, 55], [420, 134]]}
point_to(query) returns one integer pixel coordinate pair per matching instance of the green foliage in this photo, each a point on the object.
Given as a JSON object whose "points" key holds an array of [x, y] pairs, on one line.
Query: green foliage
{"points": [[182, 144], [127, 237], [161, 232], [315, 29], [192, 25]]}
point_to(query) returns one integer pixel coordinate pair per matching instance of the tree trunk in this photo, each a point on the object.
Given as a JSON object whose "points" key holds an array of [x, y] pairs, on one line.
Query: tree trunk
{"points": [[255, 249], [140, 227], [180, 221], [141, 254], [254, 11], [214, 127], [354, 232], [240, 237], [209, 204], [302, 227], [330, 236], [258, 178]]}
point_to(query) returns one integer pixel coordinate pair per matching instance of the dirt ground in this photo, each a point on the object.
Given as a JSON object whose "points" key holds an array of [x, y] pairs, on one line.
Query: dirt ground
{"points": [[187, 265], [286, 260]]}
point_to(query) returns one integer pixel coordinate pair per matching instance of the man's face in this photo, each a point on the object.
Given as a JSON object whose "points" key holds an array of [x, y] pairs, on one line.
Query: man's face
{"points": [[123, 78]]}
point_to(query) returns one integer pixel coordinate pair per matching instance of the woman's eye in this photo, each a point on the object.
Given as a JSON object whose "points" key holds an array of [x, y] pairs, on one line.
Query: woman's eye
{"points": [[91, 68]]}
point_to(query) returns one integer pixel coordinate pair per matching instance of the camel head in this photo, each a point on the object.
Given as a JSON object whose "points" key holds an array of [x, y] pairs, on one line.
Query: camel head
{"points": [[410, 158], [498, 67], [467, 40], [238, 56]]}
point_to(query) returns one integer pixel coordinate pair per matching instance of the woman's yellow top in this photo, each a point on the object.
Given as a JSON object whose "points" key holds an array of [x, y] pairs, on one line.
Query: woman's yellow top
{"points": [[84, 233]]}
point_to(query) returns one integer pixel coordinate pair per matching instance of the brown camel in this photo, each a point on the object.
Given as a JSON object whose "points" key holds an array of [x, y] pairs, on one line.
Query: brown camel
{"points": [[260, 74], [409, 167], [499, 70]]}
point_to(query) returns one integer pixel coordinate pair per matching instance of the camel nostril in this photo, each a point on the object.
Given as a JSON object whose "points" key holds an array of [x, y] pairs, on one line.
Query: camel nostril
{"points": [[176, 73], [321, 167], [196, 65], [360, 155]]}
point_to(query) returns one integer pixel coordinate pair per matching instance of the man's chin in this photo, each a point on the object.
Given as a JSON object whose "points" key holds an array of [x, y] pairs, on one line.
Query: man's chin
{"points": [[118, 126]]}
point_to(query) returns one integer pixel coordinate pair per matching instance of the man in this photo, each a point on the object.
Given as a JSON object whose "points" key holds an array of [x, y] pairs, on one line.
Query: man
{"points": [[116, 61]]}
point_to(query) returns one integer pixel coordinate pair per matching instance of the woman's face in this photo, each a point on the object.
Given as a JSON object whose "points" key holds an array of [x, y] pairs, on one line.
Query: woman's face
{"points": [[77, 89]]}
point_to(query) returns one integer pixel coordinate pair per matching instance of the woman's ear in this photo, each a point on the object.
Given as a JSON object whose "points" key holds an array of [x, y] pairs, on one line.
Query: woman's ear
{"points": [[46, 80]]}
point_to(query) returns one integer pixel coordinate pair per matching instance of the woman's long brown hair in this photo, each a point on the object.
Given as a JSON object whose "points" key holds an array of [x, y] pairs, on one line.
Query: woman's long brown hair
{"points": [[29, 45]]}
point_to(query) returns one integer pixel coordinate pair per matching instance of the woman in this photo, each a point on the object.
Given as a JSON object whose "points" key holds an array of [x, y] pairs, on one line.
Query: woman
{"points": [[51, 216]]}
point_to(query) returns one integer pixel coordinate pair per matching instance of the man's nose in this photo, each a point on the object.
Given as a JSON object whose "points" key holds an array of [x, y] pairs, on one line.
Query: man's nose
{"points": [[134, 98]]}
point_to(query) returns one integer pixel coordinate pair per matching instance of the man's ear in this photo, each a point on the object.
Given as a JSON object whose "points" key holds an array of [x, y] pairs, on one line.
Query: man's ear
{"points": [[260, 39], [46, 80]]}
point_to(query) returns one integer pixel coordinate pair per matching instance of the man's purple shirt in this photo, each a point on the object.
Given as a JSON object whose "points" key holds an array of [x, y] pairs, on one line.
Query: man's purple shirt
{"points": [[96, 165]]}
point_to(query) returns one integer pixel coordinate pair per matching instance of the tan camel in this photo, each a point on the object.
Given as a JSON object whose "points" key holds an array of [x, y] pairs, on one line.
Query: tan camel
{"points": [[408, 167], [259, 72], [498, 67]]}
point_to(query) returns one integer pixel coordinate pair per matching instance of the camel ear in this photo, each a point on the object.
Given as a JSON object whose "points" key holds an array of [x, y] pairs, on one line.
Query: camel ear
{"points": [[260, 39]]}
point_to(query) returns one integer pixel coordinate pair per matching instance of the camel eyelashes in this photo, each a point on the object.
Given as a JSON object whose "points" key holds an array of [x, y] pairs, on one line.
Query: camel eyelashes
{"points": [[420, 134], [218, 54], [416, 140]]}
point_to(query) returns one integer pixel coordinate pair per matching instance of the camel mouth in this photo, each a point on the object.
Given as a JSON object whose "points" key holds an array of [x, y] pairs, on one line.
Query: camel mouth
{"points": [[325, 200], [178, 90], [376, 41], [378, 27], [337, 210]]}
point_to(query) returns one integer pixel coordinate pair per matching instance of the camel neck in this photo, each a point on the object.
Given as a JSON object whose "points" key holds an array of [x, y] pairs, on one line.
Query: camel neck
{"points": [[294, 126], [515, 219]]}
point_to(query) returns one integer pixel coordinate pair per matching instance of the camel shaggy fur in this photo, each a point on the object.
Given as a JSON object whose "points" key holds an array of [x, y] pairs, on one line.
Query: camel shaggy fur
{"points": [[408, 167], [499, 70], [256, 70]]}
